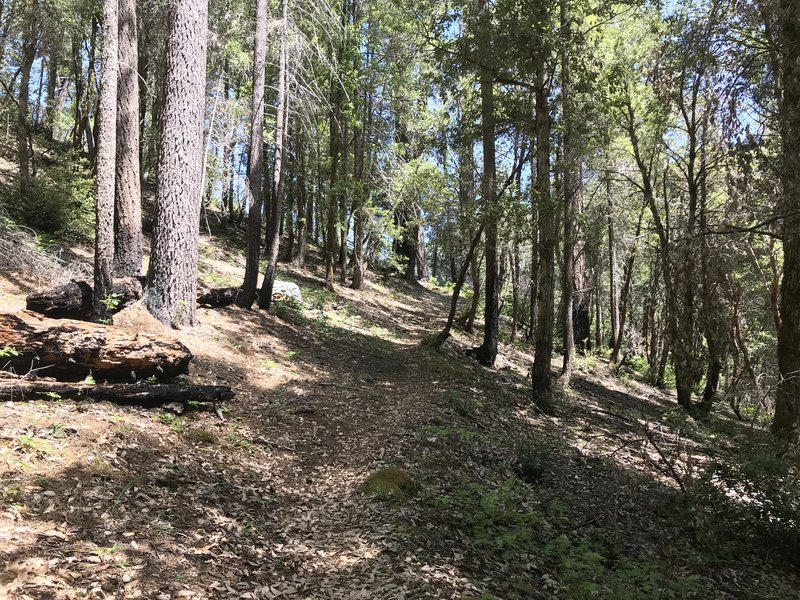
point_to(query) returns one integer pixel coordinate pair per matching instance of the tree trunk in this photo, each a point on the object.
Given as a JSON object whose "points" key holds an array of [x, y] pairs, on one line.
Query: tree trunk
{"points": [[255, 161], [715, 320], [51, 108], [28, 55], [570, 185], [344, 206], [360, 208], [486, 353], [626, 287], [598, 311], [281, 119], [74, 349], [516, 272], [612, 265], [332, 203], [548, 239], [106, 160], [459, 283], [172, 277], [302, 204], [128, 207], [786, 423], [77, 74], [85, 125]]}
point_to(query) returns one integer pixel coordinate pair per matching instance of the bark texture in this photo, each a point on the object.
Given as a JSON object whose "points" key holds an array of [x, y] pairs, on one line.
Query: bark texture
{"points": [[255, 160], [548, 239], [172, 277], [786, 423], [128, 203], [74, 349], [28, 55], [141, 394], [106, 160]]}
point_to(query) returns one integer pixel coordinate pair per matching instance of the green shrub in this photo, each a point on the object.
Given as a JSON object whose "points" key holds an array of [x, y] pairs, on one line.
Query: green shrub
{"points": [[61, 200]]}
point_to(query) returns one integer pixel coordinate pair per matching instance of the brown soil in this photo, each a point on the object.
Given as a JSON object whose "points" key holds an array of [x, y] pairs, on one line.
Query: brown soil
{"points": [[102, 501]]}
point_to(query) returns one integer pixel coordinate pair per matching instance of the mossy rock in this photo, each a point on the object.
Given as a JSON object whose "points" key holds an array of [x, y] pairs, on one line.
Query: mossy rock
{"points": [[390, 482], [201, 436]]}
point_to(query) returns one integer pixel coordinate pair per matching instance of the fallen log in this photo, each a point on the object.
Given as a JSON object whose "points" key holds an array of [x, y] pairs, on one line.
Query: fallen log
{"points": [[222, 297], [71, 350], [73, 300], [218, 297], [138, 393]]}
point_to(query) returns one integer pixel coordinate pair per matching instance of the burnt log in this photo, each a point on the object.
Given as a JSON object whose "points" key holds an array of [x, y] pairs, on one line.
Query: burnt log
{"points": [[222, 297], [69, 349], [73, 300], [218, 297], [140, 394]]}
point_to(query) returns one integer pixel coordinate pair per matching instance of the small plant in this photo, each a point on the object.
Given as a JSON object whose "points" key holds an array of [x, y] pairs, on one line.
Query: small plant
{"points": [[31, 443], [11, 493], [108, 551], [112, 301], [162, 528], [56, 430], [8, 352], [174, 422]]}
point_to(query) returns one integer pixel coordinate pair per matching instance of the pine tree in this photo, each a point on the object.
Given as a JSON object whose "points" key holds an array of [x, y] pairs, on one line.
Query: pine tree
{"points": [[106, 156], [128, 203], [172, 276]]}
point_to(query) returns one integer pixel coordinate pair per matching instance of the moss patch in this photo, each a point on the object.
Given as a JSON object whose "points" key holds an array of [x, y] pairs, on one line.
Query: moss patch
{"points": [[201, 436], [390, 482]]}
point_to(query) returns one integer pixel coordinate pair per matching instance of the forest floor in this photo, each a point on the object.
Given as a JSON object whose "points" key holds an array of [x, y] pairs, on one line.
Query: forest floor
{"points": [[603, 498]]}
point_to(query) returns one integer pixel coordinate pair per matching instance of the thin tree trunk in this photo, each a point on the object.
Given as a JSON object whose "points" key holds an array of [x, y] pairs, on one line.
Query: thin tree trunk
{"points": [[598, 312], [486, 353], [543, 336], [332, 204], [360, 209], [52, 85], [255, 162], [106, 161], [515, 277], [626, 287], [302, 204], [77, 74], [612, 265], [274, 237], [459, 283], [128, 205], [28, 55], [570, 184], [85, 123]]}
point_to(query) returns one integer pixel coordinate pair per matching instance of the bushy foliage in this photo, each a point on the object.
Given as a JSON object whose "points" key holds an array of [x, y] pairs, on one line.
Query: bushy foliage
{"points": [[61, 201], [758, 493]]}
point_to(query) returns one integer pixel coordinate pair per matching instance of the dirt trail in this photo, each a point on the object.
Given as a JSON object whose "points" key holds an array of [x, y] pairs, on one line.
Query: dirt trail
{"points": [[102, 501]]}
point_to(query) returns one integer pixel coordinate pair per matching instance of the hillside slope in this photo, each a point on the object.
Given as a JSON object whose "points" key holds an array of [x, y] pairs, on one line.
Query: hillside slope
{"points": [[602, 499]]}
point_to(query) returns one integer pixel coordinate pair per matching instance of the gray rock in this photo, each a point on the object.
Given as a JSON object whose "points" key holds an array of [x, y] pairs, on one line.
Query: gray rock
{"points": [[286, 290]]}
